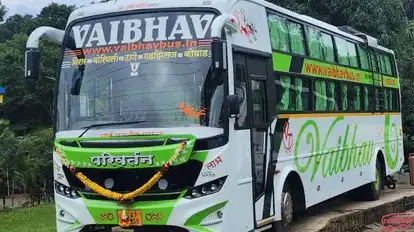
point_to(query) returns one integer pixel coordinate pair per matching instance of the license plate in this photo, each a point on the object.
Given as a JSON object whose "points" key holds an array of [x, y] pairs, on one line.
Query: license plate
{"points": [[135, 216]]}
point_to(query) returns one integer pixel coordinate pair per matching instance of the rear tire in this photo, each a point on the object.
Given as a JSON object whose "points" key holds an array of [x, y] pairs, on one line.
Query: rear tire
{"points": [[287, 211], [372, 191]]}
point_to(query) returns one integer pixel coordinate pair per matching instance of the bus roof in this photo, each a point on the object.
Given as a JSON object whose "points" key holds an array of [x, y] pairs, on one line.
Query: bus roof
{"points": [[223, 6]]}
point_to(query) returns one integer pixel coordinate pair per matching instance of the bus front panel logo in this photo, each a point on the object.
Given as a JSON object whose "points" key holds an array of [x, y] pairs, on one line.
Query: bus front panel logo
{"points": [[133, 160]]}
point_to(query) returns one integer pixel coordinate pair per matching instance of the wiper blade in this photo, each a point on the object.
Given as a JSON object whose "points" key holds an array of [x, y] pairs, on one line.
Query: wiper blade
{"points": [[109, 124]]}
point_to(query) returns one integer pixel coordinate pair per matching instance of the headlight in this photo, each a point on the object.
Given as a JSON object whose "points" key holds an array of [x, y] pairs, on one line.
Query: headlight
{"points": [[206, 189], [65, 191]]}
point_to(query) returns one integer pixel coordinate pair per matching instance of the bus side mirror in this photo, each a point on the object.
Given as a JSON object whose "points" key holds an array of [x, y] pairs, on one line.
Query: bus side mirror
{"points": [[219, 55], [233, 105], [32, 63]]}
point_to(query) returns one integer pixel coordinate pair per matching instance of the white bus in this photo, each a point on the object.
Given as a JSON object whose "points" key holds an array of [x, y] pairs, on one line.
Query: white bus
{"points": [[215, 115]]}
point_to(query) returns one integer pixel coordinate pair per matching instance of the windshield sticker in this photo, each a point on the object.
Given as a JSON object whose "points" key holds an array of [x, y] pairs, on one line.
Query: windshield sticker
{"points": [[189, 111], [134, 69], [129, 133], [154, 55], [130, 29], [139, 47]]}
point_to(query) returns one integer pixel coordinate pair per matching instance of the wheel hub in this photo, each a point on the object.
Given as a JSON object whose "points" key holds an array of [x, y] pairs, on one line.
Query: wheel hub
{"points": [[287, 207]]}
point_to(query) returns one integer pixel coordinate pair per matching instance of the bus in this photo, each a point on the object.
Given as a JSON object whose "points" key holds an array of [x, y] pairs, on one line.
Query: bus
{"points": [[214, 115]]}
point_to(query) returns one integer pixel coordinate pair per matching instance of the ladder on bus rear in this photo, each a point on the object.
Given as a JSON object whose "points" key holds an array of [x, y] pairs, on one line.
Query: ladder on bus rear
{"points": [[377, 80]]}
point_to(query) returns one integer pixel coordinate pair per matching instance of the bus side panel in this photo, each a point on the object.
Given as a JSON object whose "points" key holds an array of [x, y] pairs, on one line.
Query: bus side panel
{"points": [[253, 31], [393, 148], [335, 154]]}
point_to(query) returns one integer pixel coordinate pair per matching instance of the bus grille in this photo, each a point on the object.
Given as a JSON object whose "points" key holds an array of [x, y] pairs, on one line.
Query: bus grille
{"points": [[179, 178], [143, 197]]}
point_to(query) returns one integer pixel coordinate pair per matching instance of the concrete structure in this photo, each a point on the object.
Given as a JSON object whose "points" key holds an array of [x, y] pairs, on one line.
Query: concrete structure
{"points": [[342, 214]]}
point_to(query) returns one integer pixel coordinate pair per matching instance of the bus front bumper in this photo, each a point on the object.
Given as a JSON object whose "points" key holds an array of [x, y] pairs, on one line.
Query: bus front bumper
{"points": [[180, 215]]}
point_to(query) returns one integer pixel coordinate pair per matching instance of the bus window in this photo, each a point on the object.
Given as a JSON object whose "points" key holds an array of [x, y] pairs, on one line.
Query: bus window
{"points": [[342, 49], [278, 33], [344, 96], [296, 38], [302, 86], [354, 98], [363, 55], [240, 76], [387, 102], [314, 43], [386, 65], [365, 97], [284, 94], [327, 46], [320, 95], [259, 101], [333, 96], [394, 100], [374, 59], [352, 54]]}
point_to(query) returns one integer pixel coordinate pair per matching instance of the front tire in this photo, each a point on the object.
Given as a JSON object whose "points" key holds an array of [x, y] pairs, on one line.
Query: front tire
{"points": [[287, 211]]}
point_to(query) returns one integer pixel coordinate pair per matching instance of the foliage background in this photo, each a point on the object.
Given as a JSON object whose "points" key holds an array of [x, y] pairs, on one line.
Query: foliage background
{"points": [[26, 138]]}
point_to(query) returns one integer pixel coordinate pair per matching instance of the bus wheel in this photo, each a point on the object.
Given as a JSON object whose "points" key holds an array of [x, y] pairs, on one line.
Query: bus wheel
{"points": [[286, 210], [372, 191]]}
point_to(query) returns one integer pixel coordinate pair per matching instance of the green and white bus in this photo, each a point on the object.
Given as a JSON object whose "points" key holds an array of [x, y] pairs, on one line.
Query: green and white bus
{"points": [[214, 115]]}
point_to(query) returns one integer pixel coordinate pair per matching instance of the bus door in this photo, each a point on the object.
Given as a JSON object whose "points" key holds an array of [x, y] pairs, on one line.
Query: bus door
{"points": [[252, 73]]}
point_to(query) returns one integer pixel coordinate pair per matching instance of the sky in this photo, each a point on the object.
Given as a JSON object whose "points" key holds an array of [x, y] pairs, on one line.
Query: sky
{"points": [[33, 7]]}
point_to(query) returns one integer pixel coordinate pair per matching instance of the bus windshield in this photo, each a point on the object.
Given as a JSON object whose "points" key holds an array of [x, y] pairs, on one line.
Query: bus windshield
{"points": [[154, 68]]}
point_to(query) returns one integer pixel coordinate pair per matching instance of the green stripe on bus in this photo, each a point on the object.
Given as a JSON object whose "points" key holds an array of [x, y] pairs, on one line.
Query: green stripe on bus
{"points": [[281, 62]]}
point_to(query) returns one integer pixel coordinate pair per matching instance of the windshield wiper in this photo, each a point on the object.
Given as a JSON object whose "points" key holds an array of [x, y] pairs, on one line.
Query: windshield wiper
{"points": [[109, 124]]}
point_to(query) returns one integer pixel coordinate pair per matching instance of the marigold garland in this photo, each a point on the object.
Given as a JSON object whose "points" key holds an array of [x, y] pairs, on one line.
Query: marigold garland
{"points": [[124, 221]]}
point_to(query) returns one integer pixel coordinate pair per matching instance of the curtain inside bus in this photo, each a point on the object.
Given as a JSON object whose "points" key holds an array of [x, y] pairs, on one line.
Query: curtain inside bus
{"points": [[344, 95], [331, 100], [285, 94], [298, 100]]}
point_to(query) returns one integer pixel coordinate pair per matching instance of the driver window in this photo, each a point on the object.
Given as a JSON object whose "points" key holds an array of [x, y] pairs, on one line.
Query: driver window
{"points": [[240, 76]]}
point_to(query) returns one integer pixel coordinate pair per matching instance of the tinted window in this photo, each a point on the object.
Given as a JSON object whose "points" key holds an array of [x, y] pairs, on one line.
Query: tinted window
{"points": [[297, 42], [240, 76], [328, 49], [363, 55], [285, 94], [278, 33], [386, 65], [258, 88], [342, 48], [352, 54], [160, 76], [320, 95], [314, 43]]}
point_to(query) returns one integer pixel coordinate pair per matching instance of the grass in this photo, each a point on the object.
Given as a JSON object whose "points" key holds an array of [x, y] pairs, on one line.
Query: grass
{"points": [[36, 219]]}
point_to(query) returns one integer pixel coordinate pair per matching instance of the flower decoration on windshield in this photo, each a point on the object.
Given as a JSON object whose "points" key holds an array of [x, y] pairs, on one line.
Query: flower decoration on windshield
{"points": [[190, 111], [246, 27]]}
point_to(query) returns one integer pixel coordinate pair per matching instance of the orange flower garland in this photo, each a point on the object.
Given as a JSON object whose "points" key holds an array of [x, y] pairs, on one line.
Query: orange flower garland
{"points": [[124, 222]]}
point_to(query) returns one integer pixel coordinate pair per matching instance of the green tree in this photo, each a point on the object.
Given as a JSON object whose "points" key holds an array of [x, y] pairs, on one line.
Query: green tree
{"points": [[22, 96], [9, 159], [2, 11]]}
